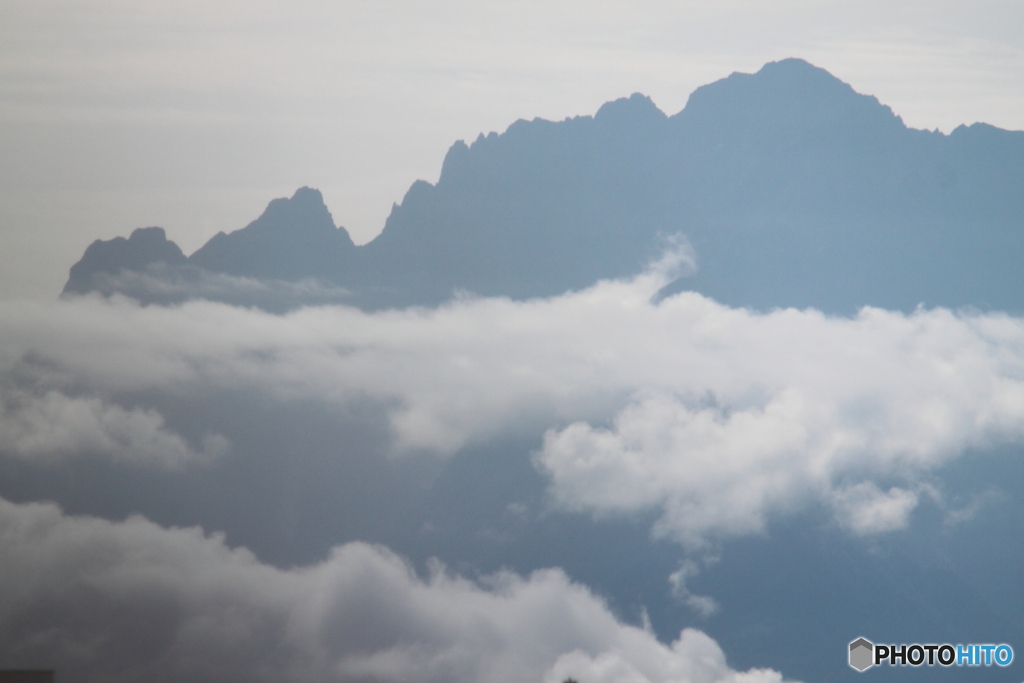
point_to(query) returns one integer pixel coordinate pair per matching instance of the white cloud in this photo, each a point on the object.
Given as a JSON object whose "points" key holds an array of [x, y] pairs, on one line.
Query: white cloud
{"points": [[717, 417], [798, 405], [693, 658], [865, 509], [104, 601]]}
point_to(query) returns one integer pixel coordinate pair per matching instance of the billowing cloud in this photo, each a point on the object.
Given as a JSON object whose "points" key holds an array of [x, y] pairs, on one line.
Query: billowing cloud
{"points": [[116, 601], [717, 417], [694, 657], [827, 406]]}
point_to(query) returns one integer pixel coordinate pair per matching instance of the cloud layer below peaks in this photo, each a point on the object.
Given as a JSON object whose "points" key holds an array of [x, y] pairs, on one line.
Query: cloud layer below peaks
{"points": [[718, 418]]}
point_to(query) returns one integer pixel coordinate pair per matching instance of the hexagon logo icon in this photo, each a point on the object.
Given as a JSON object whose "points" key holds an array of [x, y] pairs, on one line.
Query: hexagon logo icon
{"points": [[862, 654]]}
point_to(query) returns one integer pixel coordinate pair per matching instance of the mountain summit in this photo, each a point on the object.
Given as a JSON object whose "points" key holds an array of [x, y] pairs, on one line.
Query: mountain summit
{"points": [[793, 189], [293, 239], [144, 247]]}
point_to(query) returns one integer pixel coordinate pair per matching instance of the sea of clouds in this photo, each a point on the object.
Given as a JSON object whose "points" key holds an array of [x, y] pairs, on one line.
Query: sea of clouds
{"points": [[717, 420]]}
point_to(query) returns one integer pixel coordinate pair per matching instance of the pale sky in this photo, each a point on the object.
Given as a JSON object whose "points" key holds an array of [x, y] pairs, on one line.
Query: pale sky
{"points": [[193, 115]]}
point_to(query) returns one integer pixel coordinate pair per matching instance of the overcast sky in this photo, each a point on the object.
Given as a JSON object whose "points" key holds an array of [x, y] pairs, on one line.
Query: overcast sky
{"points": [[193, 115]]}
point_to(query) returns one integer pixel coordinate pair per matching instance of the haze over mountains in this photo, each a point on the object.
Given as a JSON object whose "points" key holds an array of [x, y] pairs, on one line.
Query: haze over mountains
{"points": [[791, 188]]}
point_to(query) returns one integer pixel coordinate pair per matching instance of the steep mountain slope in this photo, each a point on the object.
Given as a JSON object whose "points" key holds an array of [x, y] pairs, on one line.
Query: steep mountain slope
{"points": [[144, 247], [293, 239]]}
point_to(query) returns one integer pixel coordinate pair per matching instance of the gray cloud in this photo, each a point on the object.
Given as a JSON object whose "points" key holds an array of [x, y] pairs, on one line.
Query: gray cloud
{"points": [[112, 601], [53, 427]]}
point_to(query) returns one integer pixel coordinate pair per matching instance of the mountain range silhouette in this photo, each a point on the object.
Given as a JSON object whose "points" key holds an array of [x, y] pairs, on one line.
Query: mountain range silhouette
{"points": [[792, 189]]}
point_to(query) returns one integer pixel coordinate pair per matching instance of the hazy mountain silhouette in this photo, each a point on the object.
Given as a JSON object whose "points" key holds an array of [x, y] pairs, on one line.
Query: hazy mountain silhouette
{"points": [[293, 239], [287, 257], [145, 246], [793, 189]]}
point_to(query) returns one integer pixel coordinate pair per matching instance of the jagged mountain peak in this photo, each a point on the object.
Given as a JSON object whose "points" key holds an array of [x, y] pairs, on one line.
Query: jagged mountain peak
{"points": [[293, 238], [304, 211], [151, 235], [793, 189], [143, 247]]}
